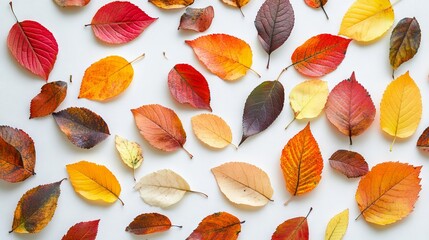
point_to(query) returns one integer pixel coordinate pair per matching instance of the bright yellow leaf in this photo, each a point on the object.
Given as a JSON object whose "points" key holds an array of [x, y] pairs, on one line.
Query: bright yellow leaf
{"points": [[212, 130], [308, 98], [337, 226], [401, 107], [367, 20], [130, 152]]}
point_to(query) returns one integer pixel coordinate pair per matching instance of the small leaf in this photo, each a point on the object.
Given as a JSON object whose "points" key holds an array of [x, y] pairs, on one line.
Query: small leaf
{"points": [[94, 182], [236, 3], [82, 127], [244, 183], [423, 141], [197, 19], [50, 97], [130, 152], [72, 3], [220, 225], [36, 208], [148, 223], [367, 20], [317, 4], [337, 226], [263, 105], [212, 130], [82, 231], [349, 163], [274, 23], [292, 229], [187, 85], [388, 192], [171, 4]]}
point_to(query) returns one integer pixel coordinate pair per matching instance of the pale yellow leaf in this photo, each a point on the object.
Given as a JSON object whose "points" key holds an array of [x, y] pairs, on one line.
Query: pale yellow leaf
{"points": [[212, 130], [130, 152], [337, 226], [243, 183], [308, 98]]}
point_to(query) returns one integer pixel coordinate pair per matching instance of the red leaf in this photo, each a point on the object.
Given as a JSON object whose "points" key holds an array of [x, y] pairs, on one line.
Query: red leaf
{"points": [[51, 96], [349, 163], [149, 223], [33, 46], [197, 19], [82, 231], [119, 22], [292, 229], [187, 85]]}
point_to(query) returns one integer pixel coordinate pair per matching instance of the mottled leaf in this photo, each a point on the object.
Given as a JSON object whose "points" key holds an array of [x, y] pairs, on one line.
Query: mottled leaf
{"points": [[50, 97], [349, 163], [130, 152], [82, 231], [197, 19], [212, 130], [221, 225], [148, 223]]}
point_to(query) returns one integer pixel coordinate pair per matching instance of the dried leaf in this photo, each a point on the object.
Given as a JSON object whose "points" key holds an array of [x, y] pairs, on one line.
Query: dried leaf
{"points": [[317, 4], [187, 85], [171, 4], [94, 182], [337, 226], [82, 231], [50, 97], [212, 130], [82, 127], [36, 208], [72, 3], [225, 56], [349, 163], [131, 153], [161, 127], [197, 19], [388, 192], [292, 229], [263, 105], [274, 23], [220, 225], [148, 223], [17, 155], [367, 20], [350, 108], [119, 22], [401, 108], [244, 183], [423, 141]]}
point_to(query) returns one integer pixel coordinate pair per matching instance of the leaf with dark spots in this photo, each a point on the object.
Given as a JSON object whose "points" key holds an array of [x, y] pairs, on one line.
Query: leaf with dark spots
{"points": [[50, 97]]}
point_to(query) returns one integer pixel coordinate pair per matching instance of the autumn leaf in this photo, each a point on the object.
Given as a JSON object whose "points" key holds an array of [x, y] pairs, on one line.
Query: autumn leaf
{"points": [[33, 46], [82, 231], [36, 208], [274, 23], [161, 127], [367, 20], [119, 22], [301, 163], [187, 85], [171, 4], [130, 152], [337, 226], [423, 141], [220, 225], [401, 108], [212, 130], [72, 3], [349, 163], [388, 192], [244, 183], [317, 4], [404, 42], [197, 19], [163, 188], [50, 97], [292, 229], [83, 128], [350, 108], [17, 155], [148, 223], [237, 3], [94, 182], [225, 56], [263, 105]]}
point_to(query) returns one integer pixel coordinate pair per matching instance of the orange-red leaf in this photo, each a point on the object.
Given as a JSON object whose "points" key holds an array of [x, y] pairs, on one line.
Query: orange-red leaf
{"points": [[218, 226], [82, 231], [197, 19], [51, 96], [349, 163], [72, 3], [292, 229], [423, 141], [171, 4], [149, 223]]}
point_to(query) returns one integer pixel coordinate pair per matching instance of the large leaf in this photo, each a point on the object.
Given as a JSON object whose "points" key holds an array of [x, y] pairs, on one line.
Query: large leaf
{"points": [[212, 130], [197, 19], [36, 208], [72, 3], [50, 97], [349, 163], [244, 183], [171, 4], [130, 152], [119, 22], [82, 231], [388, 192], [263, 106], [317, 4], [350, 108], [274, 23], [226, 56], [221, 225], [337, 226], [292, 229], [94, 182], [147, 223], [401, 108], [367, 20], [82, 127]]}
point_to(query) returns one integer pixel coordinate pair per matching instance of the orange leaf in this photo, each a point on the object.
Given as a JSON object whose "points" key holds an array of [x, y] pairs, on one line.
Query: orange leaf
{"points": [[388, 192], [301, 163], [292, 229], [171, 4], [51, 96], [149, 223], [218, 226]]}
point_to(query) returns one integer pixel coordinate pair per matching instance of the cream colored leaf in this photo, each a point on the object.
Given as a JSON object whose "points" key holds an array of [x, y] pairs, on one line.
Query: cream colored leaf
{"points": [[308, 98], [212, 130], [337, 226], [243, 183], [130, 152]]}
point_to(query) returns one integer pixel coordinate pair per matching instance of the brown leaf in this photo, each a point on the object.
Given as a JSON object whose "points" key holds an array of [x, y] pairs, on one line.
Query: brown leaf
{"points": [[197, 19], [149, 223], [349, 163], [423, 141], [51, 96], [218, 226]]}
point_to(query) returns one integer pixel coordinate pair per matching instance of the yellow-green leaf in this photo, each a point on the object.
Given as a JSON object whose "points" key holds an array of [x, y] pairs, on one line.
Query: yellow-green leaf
{"points": [[131, 153], [337, 226]]}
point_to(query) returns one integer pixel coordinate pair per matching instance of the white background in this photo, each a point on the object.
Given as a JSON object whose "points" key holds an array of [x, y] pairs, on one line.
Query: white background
{"points": [[78, 48]]}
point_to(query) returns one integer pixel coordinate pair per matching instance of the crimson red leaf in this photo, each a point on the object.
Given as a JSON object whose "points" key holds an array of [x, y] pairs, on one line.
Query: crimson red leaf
{"points": [[119, 22], [292, 229], [51, 96], [187, 85], [197, 19], [82, 231], [349, 163], [33, 46]]}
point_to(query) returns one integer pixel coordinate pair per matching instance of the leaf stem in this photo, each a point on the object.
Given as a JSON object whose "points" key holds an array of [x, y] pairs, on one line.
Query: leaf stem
{"points": [[358, 216], [284, 70], [242, 14], [71, 78], [391, 145], [178, 226], [323, 9], [242, 221], [259, 75], [309, 211], [350, 139], [201, 193], [187, 152], [165, 55], [293, 120], [287, 201], [13, 12], [134, 173], [137, 58], [393, 74], [235, 146], [122, 202], [268, 63]]}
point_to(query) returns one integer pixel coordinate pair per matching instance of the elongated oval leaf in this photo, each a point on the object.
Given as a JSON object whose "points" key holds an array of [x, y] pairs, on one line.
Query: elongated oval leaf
{"points": [[82, 231], [292, 229], [220, 225], [171, 4], [349, 163], [72, 3], [388, 192], [147, 223], [274, 23], [308, 98], [197, 19], [94, 182], [130, 152], [263, 106], [119, 22], [82, 127], [337, 226], [212, 130], [50, 97]]}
